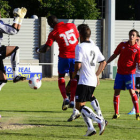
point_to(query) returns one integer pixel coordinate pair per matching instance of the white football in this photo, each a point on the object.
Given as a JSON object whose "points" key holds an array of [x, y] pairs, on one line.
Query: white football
{"points": [[35, 83]]}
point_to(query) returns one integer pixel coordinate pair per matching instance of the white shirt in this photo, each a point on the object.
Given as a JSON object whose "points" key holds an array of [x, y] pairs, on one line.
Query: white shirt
{"points": [[88, 55], [137, 71]]}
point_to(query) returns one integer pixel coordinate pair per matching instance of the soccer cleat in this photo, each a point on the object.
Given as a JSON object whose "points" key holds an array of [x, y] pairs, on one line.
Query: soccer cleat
{"points": [[132, 112], [102, 127], [106, 122], [90, 132], [19, 78], [71, 105], [73, 117], [116, 116], [138, 116], [65, 104]]}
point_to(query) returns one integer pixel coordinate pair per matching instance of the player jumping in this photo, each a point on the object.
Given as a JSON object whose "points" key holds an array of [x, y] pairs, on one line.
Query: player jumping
{"points": [[66, 35], [12, 51]]}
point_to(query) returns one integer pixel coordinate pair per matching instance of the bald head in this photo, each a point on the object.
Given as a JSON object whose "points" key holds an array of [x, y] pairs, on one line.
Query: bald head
{"points": [[52, 20]]}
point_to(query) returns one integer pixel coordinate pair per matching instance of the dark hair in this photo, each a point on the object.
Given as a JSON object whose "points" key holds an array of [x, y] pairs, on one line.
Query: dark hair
{"points": [[133, 30], [85, 32], [81, 26], [52, 19]]}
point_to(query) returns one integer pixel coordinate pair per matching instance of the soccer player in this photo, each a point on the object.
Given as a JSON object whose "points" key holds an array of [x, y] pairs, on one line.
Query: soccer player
{"points": [[86, 57], [137, 82], [12, 51], [94, 102], [66, 35], [129, 55]]}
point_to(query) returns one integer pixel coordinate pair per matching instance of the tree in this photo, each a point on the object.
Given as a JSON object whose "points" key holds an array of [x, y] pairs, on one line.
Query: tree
{"points": [[125, 9], [4, 9], [67, 9], [70, 9], [31, 5]]}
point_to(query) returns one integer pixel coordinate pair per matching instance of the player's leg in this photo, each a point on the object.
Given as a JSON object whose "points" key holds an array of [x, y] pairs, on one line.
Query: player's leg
{"points": [[14, 52], [131, 87], [96, 106], [76, 113], [68, 90], [90, 114], [3, 79], [91, 130], [116, 102], [73, 82], [83, 94], [132, 112], [119, 85], [135, 103], [62, 69]]}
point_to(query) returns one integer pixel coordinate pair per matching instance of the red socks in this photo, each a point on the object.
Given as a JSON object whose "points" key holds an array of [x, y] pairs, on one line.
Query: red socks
{"points": [[116, 103], [73, 86], [61, 84], [135, 102]]}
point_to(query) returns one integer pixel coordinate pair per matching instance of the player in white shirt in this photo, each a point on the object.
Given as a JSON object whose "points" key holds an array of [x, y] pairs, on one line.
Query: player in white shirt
{"points": [[133, 112], [94, 101], [87, 55], [13, 51]]}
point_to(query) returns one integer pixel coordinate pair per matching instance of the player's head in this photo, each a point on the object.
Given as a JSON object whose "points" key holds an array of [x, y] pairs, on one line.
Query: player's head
{"points": [[52, 20], [81, 26], [85, 33], [133, 34]]}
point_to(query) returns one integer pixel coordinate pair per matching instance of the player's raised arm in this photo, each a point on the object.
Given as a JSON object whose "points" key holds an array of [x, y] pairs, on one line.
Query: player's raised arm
{"points": [[18, 16]]}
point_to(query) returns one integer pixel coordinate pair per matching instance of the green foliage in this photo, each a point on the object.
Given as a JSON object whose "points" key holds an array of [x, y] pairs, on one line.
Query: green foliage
{"points": [[64, 9], [4, 9], [71, 9]]}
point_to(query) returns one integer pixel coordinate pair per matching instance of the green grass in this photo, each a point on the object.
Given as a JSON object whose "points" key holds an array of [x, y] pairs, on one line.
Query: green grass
{"points": [[29, 114]]}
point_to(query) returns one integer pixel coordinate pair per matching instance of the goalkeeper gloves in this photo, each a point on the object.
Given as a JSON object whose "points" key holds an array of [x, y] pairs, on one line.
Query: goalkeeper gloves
{"points": [[19, 14]]}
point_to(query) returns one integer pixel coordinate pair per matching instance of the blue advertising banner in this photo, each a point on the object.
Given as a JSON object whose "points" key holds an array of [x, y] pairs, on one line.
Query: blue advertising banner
{"points": [[27, 71]]}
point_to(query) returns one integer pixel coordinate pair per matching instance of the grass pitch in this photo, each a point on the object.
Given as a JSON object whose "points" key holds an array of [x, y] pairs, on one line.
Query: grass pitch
{"points": [[29, 114]]}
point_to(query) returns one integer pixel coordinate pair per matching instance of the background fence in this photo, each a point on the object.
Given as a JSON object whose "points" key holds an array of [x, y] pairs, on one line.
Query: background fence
{"points": [[34, 33]]}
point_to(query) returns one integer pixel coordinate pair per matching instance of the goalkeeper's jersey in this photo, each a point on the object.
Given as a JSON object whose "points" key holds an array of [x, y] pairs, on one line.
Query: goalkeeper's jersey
{"points": [[88, 55], [6, 29]]}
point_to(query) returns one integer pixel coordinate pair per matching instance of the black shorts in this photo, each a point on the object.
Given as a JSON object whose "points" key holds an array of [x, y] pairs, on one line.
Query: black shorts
{"points": [[2, 56], [84, 93], [2, 52], [138, 82]]}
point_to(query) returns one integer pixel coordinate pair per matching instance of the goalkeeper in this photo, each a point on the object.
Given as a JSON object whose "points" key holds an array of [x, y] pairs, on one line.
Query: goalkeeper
{"points": [[12, 51]]}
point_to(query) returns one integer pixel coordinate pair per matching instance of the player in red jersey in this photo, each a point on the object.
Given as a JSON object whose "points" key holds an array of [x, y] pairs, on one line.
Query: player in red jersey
{"points": [[66, 35], [129, 55]]}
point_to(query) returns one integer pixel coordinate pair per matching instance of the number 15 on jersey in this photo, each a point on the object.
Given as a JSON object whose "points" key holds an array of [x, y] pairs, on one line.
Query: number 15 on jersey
{"points": [[69, 37]]}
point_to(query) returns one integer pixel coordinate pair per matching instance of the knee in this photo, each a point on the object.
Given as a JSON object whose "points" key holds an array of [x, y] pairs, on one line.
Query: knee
{"points": [[80, 108]]}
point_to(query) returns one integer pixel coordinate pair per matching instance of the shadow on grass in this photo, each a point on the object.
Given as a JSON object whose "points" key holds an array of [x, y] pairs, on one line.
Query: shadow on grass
{"points": [[31, 111], [46, 136]]}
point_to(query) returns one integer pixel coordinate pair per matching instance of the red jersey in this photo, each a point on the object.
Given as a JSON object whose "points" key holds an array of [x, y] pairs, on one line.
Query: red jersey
{"points": [[66, 35], [129, 56]]}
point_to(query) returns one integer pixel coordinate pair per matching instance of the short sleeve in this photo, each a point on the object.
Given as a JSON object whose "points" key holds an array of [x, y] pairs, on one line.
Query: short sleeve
{"points": [[78, 54], [118, 49], [50, 40]]}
